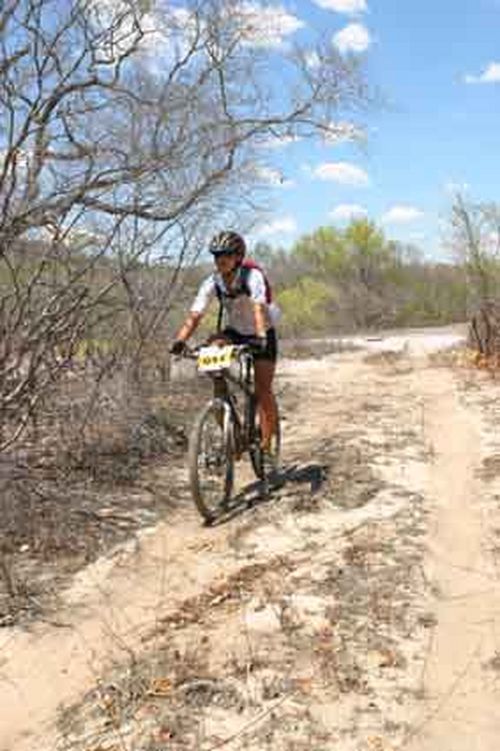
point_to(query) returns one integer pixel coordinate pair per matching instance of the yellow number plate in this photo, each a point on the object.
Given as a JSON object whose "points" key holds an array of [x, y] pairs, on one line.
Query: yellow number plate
{"points": [[216, 358]]}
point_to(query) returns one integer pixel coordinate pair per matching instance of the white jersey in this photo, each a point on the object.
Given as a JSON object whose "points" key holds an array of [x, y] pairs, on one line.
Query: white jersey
{"points": [[239, 310]]}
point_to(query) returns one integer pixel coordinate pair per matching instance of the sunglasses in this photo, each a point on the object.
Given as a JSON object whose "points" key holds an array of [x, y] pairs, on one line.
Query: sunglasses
{"points": [[218, 252]]}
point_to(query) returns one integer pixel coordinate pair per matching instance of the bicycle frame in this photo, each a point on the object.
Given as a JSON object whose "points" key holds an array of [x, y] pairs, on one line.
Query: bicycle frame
{"points": [[244, 423], [224, 429]]}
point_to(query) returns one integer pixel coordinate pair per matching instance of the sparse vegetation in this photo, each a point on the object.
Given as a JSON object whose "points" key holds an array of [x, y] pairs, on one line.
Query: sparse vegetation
{"points": [[112, 174], [476, 236], [335, 281], [301, 622]]}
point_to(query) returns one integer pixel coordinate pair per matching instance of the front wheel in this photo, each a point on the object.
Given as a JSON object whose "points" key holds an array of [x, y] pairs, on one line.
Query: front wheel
{"points": [[264, 464], [211, 459]]}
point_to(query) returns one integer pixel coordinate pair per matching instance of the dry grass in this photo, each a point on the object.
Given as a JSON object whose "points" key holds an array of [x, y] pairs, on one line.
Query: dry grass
{"points": [[490, 469], [466, 358], [81, 480], [208, 681], [260, 687], [299, 349]]}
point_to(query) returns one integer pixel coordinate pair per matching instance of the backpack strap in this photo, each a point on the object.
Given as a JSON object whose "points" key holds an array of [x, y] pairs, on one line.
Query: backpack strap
{"points": [[243, 287], [220, 313], [247, 265]]}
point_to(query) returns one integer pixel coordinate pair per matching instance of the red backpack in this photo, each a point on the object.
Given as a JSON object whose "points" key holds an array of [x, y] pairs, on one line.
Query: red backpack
{"points": [[246, 266]]}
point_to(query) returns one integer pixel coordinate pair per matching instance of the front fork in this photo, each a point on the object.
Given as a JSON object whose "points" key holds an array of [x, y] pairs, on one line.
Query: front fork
{"points": [[221, 394], [245, 436]]}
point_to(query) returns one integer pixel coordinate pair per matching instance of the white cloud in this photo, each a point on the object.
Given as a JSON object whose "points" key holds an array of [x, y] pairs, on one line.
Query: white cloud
{"points": [[353, 38], [281, 226], [401, 214], [343, 6], [342, 131], [344, 212], [490, 74], [116, 21], [266, 26], [313, 60], [165, 36], [278, 142], [169, 32], [341, 172], [272, 177]]}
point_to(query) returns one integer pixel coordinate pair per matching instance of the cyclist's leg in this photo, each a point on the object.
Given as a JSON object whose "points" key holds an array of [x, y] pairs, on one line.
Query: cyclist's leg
{"points": [[265, 366], [264, 374]]}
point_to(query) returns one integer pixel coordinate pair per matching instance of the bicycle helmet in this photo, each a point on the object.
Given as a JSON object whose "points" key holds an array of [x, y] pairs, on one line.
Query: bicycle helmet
{"points": [[227, 243]]}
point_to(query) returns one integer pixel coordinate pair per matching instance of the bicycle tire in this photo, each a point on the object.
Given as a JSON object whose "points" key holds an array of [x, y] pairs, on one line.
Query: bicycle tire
{"points": [[211, 459], [255, 440]]}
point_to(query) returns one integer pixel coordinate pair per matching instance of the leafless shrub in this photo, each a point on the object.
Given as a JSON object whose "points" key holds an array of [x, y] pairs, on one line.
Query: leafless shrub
{"points": [[75, 485], [484, 330], [476, 230], [113, 166], [127, 132]]}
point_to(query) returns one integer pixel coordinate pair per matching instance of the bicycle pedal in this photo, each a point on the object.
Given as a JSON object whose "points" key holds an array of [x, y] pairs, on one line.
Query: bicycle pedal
{"points": [[265, 489]]}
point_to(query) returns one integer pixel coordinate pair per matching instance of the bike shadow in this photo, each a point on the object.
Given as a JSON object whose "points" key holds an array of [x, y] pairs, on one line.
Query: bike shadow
{"points": [[264, 491]]}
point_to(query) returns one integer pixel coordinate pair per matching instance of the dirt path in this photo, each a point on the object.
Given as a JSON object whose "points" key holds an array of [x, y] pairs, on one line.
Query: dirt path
{"points": [[316, 618], [110, 608], [463, 709]]}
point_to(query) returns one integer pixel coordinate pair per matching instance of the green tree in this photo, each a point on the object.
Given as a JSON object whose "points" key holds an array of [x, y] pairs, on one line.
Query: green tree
{"points": [[322, 252], [305, 306], [368, 251]]}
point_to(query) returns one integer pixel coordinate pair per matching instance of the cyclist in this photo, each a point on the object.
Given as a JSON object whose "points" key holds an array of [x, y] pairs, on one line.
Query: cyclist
{"points": [[244, 296]]}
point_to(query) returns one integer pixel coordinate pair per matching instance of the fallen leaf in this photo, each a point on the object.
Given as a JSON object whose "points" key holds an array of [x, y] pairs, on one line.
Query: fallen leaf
{"points": [[377, 743], [160, 687]]}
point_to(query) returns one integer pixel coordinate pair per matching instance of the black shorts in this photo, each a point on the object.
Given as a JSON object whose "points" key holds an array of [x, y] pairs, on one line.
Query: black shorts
{"points": [[269, 353]]}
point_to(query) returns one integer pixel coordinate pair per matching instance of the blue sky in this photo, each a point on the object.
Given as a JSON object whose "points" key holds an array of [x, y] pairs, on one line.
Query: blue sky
{"points": [[438, 66]]}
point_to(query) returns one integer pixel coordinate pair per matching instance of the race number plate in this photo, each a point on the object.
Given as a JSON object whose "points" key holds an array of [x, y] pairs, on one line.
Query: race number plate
{"points": [[216, 358]]}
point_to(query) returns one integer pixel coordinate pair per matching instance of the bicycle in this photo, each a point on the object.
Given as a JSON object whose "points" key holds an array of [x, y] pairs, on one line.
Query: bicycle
{"points": [[224, 430]]}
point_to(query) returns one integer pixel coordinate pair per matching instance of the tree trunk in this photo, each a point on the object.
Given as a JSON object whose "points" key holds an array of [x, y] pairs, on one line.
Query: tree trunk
{"points": [[484, 332]]}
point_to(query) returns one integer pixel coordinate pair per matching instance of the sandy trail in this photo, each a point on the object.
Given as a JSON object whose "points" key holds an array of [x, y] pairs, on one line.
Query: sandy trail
{"points": [[114, 606], [111, 608], [462, 711]]}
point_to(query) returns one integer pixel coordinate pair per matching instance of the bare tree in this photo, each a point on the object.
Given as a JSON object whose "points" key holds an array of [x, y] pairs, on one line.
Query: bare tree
{"points": [[476, 237], [127, 131]]}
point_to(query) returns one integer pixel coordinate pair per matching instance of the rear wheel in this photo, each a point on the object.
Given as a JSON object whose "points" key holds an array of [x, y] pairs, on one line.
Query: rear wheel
{"points": [[264, 463], [211, 459]]}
